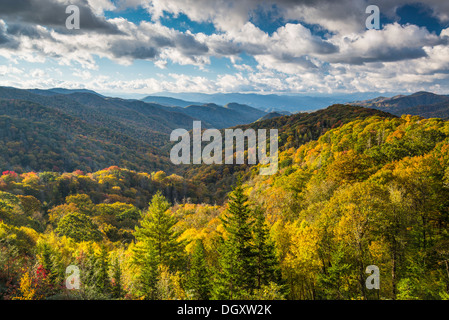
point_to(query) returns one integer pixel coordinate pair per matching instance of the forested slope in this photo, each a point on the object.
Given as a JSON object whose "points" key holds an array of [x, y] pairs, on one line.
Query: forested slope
{"points": [[371, 192]]}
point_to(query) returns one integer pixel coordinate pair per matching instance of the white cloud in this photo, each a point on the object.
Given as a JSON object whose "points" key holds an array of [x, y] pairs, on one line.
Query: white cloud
{"points": [[393, 43], [99, 6], [292, 58], [38, 73], [9, 70]]}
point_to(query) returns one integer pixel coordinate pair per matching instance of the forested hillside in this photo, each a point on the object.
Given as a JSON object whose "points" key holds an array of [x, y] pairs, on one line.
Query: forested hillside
{"points": [[63, 130], [294, 131], [35, 137], [373, 191]]}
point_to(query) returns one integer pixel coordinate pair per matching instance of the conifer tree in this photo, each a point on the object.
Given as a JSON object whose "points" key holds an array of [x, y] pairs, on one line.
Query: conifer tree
{"points": [[88, 275], [46, 270], [56, 276], [236, 274], [198, 281], [117, 288], [149, 274], [103, 284], [46, 257], [157, 232], [267, 267]]}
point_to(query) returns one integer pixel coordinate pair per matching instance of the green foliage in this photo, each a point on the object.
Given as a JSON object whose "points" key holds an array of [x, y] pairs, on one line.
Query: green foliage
{"points": [[79, 227], [199, 276], [236, 274], [373, 191], [117, 286], [102, 271], [149, 273], [266, 262], [157, 231]]}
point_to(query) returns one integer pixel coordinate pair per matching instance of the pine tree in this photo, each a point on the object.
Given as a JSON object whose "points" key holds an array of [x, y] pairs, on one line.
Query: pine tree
{"points": [[149, 274], [267, 267], [57, 273], [95, 274], [103, 284], [52, 267], [198, 281], [157, 231], [236, 277], [46, 257], [88, 273], [117, 289]]}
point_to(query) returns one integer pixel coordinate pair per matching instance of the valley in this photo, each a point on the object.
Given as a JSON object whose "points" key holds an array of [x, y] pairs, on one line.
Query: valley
{"points": [[87, 182]]}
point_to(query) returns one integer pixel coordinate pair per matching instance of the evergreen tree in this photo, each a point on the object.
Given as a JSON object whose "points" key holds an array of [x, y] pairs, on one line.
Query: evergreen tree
{"points": [[46, 270], [52, 267], [157, 232], [117, 289], [236, 274], [267, 266], [88, 268], [56, 276], [330, 284], [103, 284], [46, 257], [198, 281], [88, 274], [149, 274]]}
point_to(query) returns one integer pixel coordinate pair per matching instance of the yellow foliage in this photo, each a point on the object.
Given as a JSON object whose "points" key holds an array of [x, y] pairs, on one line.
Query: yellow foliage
{"points": [[27, 288]]}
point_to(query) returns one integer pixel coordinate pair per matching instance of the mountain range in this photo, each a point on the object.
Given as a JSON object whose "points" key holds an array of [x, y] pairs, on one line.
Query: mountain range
{"points": [[267, 102], [424, 104], [65, 130]]}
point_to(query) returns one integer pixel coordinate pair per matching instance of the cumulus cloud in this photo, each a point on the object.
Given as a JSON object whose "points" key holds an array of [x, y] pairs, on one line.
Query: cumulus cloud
{"points": [[337, 16], [393, 43], [342, 56], [52, 13]]}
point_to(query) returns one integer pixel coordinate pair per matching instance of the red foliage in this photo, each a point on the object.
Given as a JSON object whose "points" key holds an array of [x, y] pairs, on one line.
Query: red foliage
{"points": [[10, 173], [41, 273], [112, 168], [78, 173]]}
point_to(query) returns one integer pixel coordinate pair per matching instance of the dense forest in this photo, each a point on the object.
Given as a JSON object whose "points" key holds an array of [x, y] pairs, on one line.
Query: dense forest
{"points": [[372, 190], [294, 131]]}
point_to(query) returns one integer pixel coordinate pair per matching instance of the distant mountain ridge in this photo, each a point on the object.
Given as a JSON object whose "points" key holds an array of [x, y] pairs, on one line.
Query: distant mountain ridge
{"points": [[170, 102], [268, 102], [271, 115], [424, 104], [56, 91], [213, 115], [219, 117]]}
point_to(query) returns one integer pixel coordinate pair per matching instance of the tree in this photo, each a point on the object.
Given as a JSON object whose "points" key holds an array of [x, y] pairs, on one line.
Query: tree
{"points": [[82, 202], [236, 274], [198, 280], [95, 274], [51, 264], [27, 288], [78, 227], [148, 277], [117, 287], [103, 284], [332, 282], [157, 232], [266, 264]]}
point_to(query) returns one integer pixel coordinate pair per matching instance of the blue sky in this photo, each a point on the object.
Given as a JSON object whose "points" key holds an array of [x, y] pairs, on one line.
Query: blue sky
{"points": [[138, 47]]}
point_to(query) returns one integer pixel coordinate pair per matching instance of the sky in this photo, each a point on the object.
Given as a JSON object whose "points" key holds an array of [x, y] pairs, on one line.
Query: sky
{"points": [[214, 46]]}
